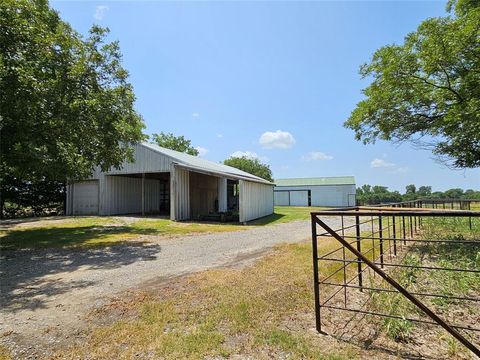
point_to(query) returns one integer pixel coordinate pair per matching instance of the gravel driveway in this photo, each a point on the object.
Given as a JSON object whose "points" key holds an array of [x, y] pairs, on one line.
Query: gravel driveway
{"points": [[46, 290]]}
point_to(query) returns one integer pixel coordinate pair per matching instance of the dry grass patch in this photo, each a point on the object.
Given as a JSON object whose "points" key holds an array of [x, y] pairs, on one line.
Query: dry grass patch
{"points": [[263, 311]]}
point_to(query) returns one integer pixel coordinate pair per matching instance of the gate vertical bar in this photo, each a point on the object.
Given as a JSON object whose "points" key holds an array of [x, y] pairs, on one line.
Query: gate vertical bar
{"points": [[394, 236], [344, 266], [359, 248], [380, 236], [316, 280]]}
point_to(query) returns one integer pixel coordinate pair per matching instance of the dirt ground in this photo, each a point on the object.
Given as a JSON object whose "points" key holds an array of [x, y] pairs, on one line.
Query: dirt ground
{"points": [[47, 293], [51, 298]]}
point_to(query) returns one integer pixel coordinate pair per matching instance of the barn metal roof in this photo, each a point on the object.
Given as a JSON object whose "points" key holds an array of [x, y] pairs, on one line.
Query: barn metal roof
{"points": [[198, 163], [338, 180]]}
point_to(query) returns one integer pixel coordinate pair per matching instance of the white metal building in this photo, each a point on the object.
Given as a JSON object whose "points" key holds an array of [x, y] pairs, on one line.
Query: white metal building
{"points": [[321, 191], [172, 183]]}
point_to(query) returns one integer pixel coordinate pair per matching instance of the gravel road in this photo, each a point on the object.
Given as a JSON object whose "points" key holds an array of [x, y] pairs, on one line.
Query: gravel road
{"points": [[50, 289]]}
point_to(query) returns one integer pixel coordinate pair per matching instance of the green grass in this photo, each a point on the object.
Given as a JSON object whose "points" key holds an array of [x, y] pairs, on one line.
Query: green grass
{"points": [[84, 232], [264, 311], [287, 213], [448, 283], [96, 231]]}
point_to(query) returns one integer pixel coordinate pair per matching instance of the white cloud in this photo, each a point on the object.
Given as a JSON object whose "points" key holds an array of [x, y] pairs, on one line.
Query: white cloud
{"points": [[317, 156], [201, 151], [248, 154], [195, 115], [100, 11], [277, 140], [402, 169], [381, 163], [219, 136]]}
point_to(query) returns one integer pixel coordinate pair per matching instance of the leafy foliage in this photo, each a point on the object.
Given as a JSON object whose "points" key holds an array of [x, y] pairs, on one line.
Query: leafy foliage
{"points": [[178, 143], [31, 198], [65, 103], [428, 89], [252, 166], [369, 195]]}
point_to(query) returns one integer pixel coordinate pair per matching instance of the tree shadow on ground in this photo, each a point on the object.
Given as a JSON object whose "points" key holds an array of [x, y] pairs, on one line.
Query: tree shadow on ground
{"points": [[266, 219], [75, 236], [23, 284]]}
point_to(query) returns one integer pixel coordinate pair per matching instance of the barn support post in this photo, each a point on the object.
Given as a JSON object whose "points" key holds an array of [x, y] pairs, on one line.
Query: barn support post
{"points": [[222, 195], [143, 194], [173, 196]]}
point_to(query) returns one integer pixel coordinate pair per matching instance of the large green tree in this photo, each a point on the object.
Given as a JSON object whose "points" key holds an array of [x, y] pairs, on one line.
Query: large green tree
{"points": [[250, 165], [427, 90], [178, 143], [66, 105]]}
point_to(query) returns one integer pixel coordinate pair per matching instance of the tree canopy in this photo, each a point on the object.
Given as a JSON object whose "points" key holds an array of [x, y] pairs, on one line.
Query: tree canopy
{"points": [[369, 195], [178, 143], [252, 166], [427, 90], [66, 105]]}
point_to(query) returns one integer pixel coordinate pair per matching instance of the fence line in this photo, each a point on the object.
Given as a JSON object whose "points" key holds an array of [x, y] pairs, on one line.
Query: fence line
{"points": [[377, 244]]}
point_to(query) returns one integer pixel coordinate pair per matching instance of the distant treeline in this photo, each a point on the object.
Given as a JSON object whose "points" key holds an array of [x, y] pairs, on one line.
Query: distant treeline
{"points": [[369, 195]]}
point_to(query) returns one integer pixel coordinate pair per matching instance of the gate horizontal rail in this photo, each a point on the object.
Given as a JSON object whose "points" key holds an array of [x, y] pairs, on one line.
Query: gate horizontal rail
{"points": [[391, 231]]}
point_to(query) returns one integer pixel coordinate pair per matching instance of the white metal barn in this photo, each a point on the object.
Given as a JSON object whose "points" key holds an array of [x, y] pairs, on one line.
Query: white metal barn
{"points": [[172, 183], [320, 191]]}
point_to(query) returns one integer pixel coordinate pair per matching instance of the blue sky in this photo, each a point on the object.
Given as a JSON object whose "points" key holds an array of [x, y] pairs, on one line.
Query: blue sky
{"points": [[274, 79]]}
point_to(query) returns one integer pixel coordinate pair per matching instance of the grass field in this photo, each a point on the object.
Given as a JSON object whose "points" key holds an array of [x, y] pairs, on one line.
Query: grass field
{"points": [[287, 213], [81, 232], [260, 312]]}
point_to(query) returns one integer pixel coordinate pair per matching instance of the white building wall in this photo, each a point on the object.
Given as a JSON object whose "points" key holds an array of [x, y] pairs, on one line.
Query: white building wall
{"points": [[324, 195], [256, 200], [222, 195], [299, 198], [146, 160], [281, 198]]}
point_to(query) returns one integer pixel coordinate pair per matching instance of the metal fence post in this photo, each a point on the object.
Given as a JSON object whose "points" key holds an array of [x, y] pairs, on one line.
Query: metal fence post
{"points": [[316, 280], [344, 266]]}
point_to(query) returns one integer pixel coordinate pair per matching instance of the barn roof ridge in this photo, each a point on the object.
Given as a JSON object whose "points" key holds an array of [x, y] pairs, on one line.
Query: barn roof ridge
{"points": [[201, 163]]}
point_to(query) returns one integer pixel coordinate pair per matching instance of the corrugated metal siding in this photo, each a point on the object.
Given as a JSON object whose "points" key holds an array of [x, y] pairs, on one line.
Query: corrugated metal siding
{"points": [[124, 195], [146, 160], [317, 181], [69, 209], [256, 200], [201, 163], [180, 194], [281, 198], [222, 195], [203, 193], [299, 198], [331, 195], [152, 195]]}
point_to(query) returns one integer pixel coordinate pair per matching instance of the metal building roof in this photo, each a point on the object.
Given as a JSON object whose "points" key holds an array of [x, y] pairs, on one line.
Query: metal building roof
{"points": [[338, 180], [197, 163]]}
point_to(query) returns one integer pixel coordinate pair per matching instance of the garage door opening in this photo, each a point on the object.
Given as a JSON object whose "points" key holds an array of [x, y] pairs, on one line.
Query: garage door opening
{"points": [[85, 195], [147, 194], [293, 197]]}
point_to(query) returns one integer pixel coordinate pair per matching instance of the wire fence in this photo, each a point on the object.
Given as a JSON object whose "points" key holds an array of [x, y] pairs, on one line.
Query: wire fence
{"points": [[406, 263]]}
